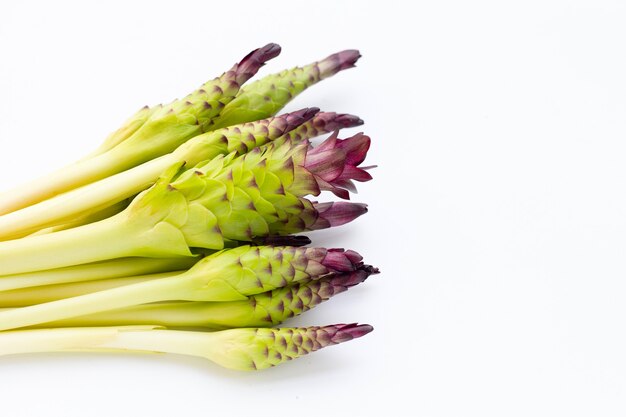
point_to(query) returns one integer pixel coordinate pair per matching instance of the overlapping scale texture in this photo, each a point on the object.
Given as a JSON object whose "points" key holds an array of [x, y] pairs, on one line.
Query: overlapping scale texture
{"points": [[268, 95], [250, 270], [261, 348], [171, 125], [257, 194], [241, 138], [276, 306], [324, 122]]}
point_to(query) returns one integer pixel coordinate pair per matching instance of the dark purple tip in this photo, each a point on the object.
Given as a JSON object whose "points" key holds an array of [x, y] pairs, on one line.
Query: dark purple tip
{"points": [[338, 62], [251, 63], [354, 257], [346, 332], [337, 213], [348, 120], [299, 117], [350, 279], [330, 121], [341, 261]]}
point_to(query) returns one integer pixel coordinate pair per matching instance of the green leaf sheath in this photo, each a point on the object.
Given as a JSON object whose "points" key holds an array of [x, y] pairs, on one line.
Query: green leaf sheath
{"points": [[228, 275], [163, 131], [229, 199], [239, 349], [260, 310], [81, 218], [265, 97], [129, 127], [99, 195]]}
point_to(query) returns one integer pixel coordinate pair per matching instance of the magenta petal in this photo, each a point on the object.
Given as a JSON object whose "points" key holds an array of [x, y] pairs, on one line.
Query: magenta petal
{"points": [[353, 173], [355, 148], [345, 184], [327, 165], [329, 143], [341, 193], [334, 188]]}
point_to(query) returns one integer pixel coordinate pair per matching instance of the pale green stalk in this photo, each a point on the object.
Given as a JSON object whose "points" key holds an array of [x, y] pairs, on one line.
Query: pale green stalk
{"points": [[19, 287]]}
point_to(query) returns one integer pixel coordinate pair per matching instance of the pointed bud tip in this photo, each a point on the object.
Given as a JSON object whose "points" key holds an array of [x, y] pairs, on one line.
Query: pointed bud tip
{"points": [[297, 118], [331, 121], [350, 279], [347, 59], [349, 120], [251, 63], [269, 51], [310, 112], [342, 261], [371, 270], [339, 213], [345, 332], [338, 62]]}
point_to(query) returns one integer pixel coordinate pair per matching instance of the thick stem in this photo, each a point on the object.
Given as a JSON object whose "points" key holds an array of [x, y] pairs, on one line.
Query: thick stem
{"points": [[115, 268], [82, 201], [164, 289], [105, 213], [73, 176], [165, 341], [210, 315], [47, 293], [132, 338], [108, 239]]}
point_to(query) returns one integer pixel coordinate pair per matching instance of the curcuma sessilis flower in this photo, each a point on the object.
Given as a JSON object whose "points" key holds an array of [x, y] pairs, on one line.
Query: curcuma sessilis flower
{"points": [[227, 200], [262, 193], [229, 275], [246, 349]]}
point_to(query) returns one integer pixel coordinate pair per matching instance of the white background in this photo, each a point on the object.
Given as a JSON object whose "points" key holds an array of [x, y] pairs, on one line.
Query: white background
{"points": [[497, 213]]}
